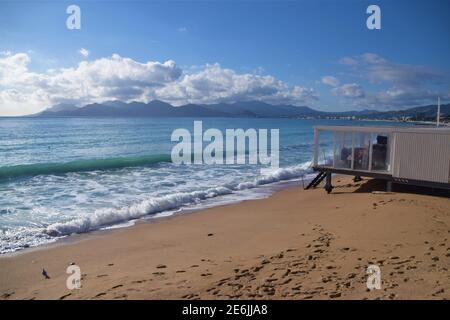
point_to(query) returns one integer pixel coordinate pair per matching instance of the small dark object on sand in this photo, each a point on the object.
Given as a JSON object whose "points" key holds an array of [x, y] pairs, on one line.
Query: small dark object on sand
{"points": [[45, 274]]}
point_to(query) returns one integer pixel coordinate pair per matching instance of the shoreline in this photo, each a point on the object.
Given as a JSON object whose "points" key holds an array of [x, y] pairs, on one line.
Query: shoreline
{"points": [[294, 244], [268, 190]]}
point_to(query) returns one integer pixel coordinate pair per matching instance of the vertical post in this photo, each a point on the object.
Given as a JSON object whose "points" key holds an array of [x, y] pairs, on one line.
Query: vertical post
{"points": [[316, 146], [388, 186], [334, 149], [353, 150], [328, 187], [438, 112], [389, 152], [370, 150]]}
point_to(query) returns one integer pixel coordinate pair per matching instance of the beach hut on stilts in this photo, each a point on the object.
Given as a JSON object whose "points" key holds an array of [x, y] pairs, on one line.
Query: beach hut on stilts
{"points": [[415, 155]]}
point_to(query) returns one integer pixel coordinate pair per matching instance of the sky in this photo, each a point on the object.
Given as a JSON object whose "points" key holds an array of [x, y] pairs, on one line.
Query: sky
{"points": [[316, 53]]}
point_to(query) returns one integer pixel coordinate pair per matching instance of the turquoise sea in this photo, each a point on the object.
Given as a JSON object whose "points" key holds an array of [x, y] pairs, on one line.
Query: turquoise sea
{"points": [[60, 176]]}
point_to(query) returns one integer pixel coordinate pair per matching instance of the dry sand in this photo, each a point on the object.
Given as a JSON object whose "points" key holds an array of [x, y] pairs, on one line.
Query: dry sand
{"points": [[293, 245]]}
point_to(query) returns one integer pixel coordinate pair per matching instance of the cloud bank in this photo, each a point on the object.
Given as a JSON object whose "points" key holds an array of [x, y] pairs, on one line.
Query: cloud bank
{"points": [[330, 81], [375, 83], [406, 85], [23, 91]]}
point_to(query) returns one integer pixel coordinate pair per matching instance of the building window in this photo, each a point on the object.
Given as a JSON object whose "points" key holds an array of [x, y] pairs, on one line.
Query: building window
{"points": [[380, 152]]}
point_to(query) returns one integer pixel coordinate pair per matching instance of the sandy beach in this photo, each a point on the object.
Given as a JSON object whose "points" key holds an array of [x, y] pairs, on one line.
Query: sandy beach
{"points": [[295, 244]]}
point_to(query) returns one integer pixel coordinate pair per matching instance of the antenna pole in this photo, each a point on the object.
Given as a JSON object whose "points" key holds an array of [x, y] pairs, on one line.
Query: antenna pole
{"points": [[438, 112]]}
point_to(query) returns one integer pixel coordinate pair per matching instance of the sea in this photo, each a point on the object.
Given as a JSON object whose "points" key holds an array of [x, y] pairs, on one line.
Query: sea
{"points": [[64, 176]]}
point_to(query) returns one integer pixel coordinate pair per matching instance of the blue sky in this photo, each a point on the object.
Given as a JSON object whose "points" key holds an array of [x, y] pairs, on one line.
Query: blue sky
{"points": [[316, 53]]}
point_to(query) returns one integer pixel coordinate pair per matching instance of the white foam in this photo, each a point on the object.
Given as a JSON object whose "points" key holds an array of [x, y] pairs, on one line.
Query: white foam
{"points": [[34, 233], [110, 216]]}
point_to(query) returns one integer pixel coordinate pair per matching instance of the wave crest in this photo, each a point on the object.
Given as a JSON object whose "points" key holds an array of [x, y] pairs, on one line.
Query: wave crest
{"points": [[109, 216], [10, 172]]}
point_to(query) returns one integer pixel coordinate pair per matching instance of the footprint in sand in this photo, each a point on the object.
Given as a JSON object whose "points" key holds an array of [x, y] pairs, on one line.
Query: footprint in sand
{"points": [[7, 295], [64, 296], [100, 294], [438, 292], [189, 296], [118, 286], [139, 281]]}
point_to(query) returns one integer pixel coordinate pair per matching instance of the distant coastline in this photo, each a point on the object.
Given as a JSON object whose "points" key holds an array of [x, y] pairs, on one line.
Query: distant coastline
{"points": [[246, 109]]}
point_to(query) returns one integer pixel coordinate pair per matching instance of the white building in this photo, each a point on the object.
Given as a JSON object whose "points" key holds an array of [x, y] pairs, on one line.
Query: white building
{"points": [[411, 155]]}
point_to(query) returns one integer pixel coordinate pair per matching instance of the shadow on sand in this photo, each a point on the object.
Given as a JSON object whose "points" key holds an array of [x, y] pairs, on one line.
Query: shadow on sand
{"points": [[371, 185]]}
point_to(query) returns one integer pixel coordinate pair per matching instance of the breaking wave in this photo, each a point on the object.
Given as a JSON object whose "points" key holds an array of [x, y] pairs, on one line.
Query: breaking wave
{"points": [[109, 216], [10, 172]]}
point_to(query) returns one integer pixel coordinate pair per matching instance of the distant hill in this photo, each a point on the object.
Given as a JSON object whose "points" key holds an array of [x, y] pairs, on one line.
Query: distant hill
{"points": [[424, 113], [158, 108], [262, 109], [61, 107], [249, 109]]}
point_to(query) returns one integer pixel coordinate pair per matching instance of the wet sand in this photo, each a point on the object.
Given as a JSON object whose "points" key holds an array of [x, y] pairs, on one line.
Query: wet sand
{"points": [[295, 244]]}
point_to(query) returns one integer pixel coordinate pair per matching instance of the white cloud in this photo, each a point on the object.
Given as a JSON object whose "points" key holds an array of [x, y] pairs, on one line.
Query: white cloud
{"points": [[377, 69], [349, 90], [330, 81], [23, 91], [182, 29], [394, 98], [13, 102], [216, 84], [405, 85], [14, 70], [348, 61], [84, 52]]}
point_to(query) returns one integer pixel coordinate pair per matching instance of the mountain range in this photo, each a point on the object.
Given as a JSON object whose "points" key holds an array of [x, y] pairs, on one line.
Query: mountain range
{"points": [[251, 109]]}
